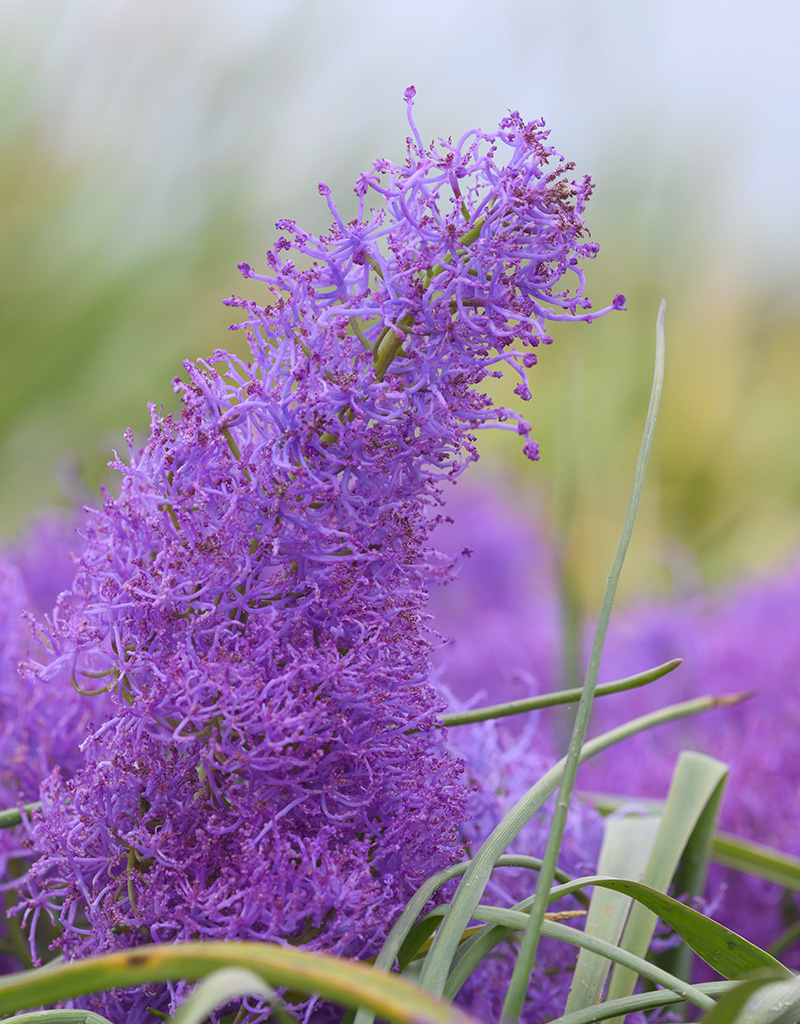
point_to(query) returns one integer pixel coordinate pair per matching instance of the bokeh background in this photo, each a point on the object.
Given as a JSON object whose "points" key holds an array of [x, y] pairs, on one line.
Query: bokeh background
{"points": [[147, 146]]}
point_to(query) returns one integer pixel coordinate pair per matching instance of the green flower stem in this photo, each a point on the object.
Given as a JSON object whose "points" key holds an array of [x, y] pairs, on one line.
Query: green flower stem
{"points": [[520, 978], [549, 700], [13, 816], [515, 919], [640, 1003]]}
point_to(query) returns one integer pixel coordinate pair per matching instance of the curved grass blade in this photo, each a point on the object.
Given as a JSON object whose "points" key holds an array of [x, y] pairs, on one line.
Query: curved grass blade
{"points": [[221, 987], [640, 1003], [60, 1017], [526, 957], [477, 947], [692, 803], [729, 954], [626, 849], [417, 937], [760, 1000], [349, 983], [476, 877], [516, 920], [549, 700]]}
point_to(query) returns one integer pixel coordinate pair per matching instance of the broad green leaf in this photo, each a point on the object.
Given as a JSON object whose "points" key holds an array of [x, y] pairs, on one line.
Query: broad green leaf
{"points": [[627, 845], [343, 981], [728, 953], [697, 784], [759, 1001]]}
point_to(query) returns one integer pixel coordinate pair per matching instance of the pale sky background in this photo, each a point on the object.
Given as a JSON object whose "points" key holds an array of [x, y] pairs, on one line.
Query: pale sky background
{"points": [[164, 96]]}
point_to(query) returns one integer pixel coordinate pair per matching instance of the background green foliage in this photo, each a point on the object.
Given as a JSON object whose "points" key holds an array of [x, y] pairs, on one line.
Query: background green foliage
{"points": [[147, 148]]}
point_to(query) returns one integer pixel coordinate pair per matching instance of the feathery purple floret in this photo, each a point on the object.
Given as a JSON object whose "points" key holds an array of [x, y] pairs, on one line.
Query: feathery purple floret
{"points": [[37, 734], [253, 601]]}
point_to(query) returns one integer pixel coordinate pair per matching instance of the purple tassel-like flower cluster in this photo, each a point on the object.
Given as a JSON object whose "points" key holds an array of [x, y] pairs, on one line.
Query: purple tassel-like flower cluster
{"points": [[252, 604]]}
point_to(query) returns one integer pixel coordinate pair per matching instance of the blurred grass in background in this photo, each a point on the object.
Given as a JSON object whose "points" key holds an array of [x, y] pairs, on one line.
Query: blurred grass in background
{"points": [[147, 148]]}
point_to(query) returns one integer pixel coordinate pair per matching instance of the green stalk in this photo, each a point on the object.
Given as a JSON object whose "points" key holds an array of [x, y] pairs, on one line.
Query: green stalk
{"points": [[13, 816], [639, 1003], [520, 978], [469, 892], [549, 700]]}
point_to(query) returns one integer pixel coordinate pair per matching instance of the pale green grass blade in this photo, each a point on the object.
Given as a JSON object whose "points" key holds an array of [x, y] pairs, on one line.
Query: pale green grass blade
{"points": [[759, 1001], [549, 700], [698, 781], [221, 987], [60, 1017], [691, 875], [729, 850], [626, 849], [517, 920], [754, 859], [476, 877], [526, 956], [346, 982]]}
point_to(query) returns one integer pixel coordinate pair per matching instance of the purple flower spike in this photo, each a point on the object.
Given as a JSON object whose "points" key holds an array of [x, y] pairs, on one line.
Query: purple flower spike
{"points": [[253, 601]]}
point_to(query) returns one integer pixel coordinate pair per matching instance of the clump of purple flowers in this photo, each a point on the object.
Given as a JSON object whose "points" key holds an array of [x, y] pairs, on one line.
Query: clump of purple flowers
{"points": [[740, 639], [253, 600], [37, 734]]}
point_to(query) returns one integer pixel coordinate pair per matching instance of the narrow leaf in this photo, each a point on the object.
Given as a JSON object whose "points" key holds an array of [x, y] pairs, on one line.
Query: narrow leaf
{"points": [[526, 957], [697, 781], [549, 700], [728, 953], [220, 987], [627, 844], [342, 981]]}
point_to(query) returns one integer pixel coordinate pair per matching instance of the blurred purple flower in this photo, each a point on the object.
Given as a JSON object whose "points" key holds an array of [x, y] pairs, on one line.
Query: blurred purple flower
{"points": [[254, 599], [740, 639], [38, 733], [501, 611]]}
